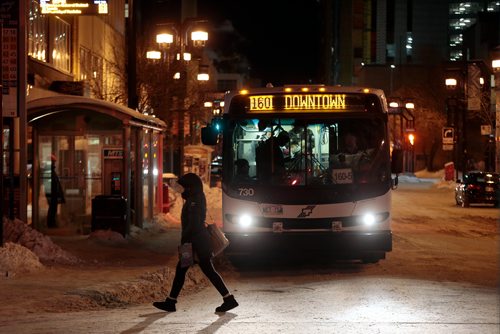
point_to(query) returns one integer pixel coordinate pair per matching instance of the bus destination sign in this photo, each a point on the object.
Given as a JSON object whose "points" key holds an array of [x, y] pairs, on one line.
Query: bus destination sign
{"points": [[297, 102]]}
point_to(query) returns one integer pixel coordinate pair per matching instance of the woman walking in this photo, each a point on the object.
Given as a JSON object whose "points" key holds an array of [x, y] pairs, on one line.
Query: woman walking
{"points": [[195, 232]]}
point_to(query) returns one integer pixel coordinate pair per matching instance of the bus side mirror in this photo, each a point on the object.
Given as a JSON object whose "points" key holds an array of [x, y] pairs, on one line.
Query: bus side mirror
{"points": [[209, 135], [397, 161]]}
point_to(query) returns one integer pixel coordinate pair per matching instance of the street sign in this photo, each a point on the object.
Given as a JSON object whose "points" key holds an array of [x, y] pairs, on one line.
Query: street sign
{"points": [[448, 135], [447, 147], [485, 130]]}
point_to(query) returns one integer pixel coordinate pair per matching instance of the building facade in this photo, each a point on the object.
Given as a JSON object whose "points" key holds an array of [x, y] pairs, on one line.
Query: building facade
{"points": [[78, 121], [403, 32]]}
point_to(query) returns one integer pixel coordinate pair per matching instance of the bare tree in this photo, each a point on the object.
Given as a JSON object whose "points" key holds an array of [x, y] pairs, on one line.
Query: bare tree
{"points": [[107, 78], [430, 118]]}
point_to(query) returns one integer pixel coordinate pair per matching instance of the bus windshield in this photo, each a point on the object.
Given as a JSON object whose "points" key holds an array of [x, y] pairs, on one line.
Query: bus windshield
{"points": [[300, 152]]}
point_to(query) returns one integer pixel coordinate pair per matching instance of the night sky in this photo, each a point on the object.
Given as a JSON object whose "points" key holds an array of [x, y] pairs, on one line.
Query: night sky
{"points": [[280, 38]]}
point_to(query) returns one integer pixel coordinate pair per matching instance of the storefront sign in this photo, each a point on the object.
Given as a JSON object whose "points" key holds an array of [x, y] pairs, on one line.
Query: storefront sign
{"points": [[73, 7], [112, 153]]}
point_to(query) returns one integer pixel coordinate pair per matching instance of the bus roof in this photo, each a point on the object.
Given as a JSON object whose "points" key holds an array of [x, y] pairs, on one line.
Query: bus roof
{"points": [[305, 88]]}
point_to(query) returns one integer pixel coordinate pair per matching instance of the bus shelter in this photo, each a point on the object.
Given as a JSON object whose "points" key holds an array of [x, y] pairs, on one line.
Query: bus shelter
{"points": [[85, 149]]}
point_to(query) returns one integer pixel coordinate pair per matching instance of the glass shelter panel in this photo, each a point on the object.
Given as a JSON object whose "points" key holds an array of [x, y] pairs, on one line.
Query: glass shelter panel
{"points": [[155, 168], [146, 167]]}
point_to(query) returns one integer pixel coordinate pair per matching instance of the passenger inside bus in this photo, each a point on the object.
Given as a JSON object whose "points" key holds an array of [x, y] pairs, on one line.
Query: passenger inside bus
{"points": [[351, 143], [270, 158], [299, 140], [242, 170], [353, 160], [351, 151]]}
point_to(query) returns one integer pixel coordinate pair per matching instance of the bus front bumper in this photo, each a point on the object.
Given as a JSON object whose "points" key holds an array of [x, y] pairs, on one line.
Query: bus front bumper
{"points": [[336, 243]]}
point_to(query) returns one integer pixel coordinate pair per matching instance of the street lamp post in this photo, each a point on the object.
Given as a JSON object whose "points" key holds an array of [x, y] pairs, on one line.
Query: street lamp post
{"points": [[457, 104], [452, 117], [392, 67], [177, 44], [406, 130]]}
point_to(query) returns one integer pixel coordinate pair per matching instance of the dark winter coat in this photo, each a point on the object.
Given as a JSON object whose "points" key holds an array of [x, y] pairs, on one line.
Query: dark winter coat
{"points": [[193, 216]]}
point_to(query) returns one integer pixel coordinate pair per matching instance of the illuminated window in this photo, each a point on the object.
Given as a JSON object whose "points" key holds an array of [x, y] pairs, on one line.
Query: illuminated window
{"points": [[97, 74], [409, 44], [85, 64], [92, 71], [37, 33], [60, 55]]}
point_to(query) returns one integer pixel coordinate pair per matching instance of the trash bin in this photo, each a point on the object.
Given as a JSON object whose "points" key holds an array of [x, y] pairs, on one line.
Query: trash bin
{"points": [[166, 202], [109, 213]]}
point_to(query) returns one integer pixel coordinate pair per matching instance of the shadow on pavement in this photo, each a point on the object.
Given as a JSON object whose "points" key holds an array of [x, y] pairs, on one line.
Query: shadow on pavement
{"points": [[216, 325], [297, 263], [149, 319]]}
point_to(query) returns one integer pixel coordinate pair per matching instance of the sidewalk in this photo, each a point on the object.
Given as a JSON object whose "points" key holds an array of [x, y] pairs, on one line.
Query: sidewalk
{"points": [[110, 272], [100, 270]]}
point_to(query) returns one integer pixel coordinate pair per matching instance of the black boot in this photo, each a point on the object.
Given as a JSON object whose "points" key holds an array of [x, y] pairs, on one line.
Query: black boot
{"points": [[168, 305], [229, 304]]}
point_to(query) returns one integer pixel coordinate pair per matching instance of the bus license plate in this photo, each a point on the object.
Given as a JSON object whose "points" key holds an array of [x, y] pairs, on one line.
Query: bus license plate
{"points": [[277, 227], [337, 226], [489, 189], [342, 176]]}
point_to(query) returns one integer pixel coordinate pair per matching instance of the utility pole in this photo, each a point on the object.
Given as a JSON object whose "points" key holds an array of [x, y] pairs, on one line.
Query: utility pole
{"points": [[133, 102], [1, 145], [495, 101]]}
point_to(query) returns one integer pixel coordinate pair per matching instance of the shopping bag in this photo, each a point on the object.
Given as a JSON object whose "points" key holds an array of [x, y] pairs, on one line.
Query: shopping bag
{"points": [[186, 254], [218, 239]]}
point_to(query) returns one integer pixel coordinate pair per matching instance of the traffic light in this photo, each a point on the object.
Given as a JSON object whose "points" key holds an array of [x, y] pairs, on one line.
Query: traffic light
{"points": [[217, 124]]}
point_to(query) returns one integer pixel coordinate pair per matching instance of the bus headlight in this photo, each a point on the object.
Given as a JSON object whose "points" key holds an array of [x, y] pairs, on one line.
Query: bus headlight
{"points": [[368, 219], [245, 220]]}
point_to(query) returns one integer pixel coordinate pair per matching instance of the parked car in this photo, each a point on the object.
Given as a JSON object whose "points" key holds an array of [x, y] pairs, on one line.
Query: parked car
{"points": [[215, 171], [216, 166], [479, 188]]}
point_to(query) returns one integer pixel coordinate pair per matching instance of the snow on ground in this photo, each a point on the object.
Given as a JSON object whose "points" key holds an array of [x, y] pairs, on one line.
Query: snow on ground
{"points": [[16, 259], [31, 246], [425, 178], [144, 261]]}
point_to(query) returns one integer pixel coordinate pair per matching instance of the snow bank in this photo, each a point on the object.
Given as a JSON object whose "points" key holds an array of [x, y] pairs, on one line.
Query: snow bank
{"points": [[16, 231], [149, 287], [437, 177], [107, 235], [15, 259]]}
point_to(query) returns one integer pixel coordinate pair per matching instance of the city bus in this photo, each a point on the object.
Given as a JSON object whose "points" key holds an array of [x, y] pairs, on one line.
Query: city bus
{"points": [[307, 168]]}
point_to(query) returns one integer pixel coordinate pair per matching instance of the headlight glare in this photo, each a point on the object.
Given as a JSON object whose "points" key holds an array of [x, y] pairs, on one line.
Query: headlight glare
{"points": [[245, 220], [369, 219]]}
